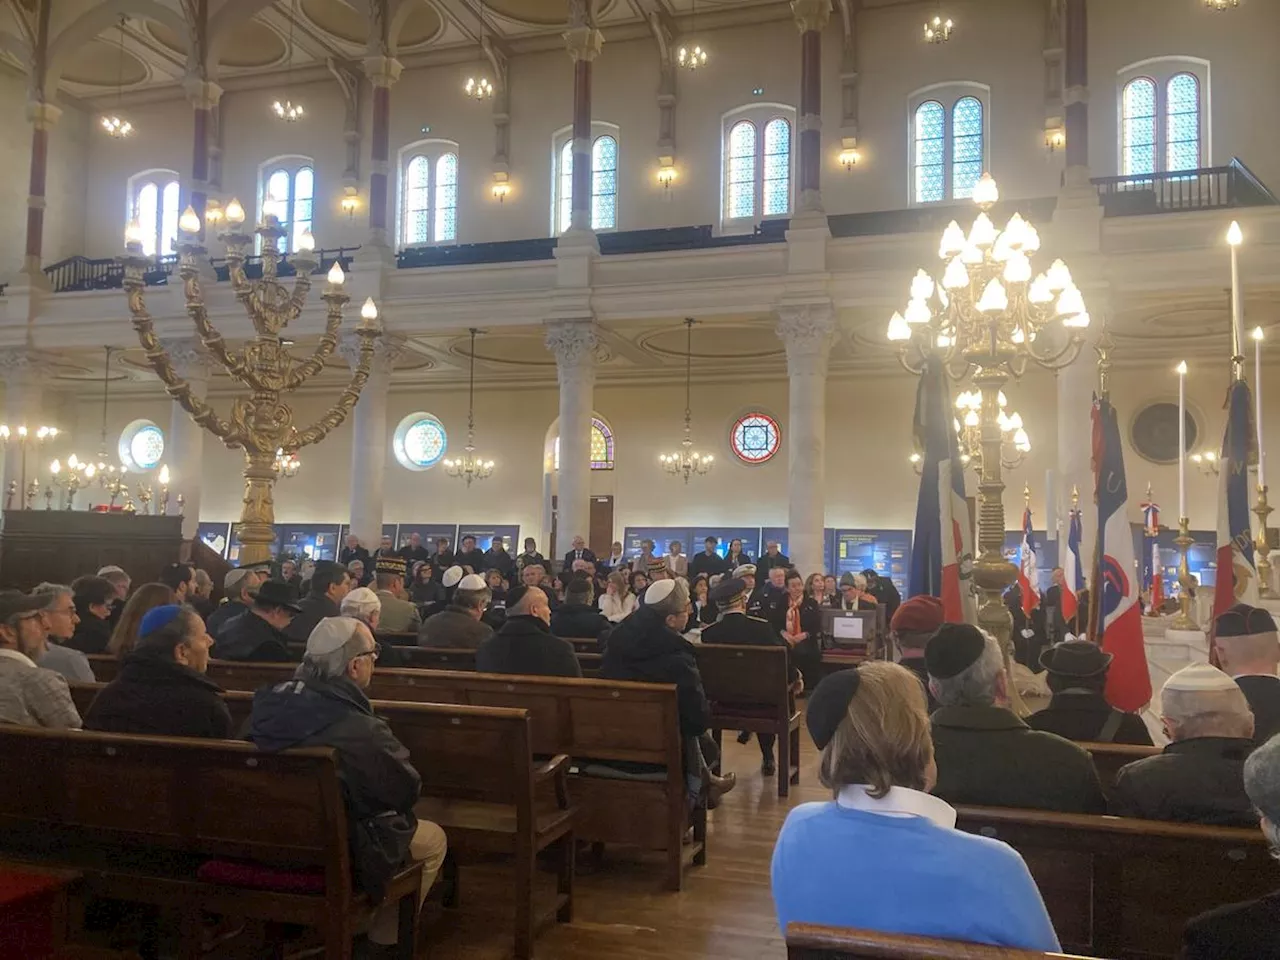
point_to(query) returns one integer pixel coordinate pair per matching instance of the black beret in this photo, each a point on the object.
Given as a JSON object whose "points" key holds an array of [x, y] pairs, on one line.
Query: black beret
{"points": [[1243, 620], [726, 590], [829, 703], [953, 649]]}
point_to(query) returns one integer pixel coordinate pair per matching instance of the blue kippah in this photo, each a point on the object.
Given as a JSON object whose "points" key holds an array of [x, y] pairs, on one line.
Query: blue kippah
{"points": [[158, 618]]}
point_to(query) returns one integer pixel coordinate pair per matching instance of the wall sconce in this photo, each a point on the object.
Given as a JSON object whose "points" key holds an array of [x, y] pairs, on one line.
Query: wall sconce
{"points": [[1055, 136], [350, 201], [849, 155], [501, 186], [667, 171], [213, 213]]}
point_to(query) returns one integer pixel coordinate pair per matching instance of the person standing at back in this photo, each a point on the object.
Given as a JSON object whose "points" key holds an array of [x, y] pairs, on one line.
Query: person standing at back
{"points": [[1249, 653]]}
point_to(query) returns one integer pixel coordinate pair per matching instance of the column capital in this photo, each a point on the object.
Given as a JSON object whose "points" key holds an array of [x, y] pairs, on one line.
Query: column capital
{"points": [[42, 114], [203, 94], [575, 345], [19, 365], [189, 357], [807, 331], [387, 349], [583, 43], [811, 14], [382, 71]]}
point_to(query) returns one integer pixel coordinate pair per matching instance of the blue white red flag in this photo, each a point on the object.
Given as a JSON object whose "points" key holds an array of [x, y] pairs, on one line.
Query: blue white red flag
{"points": [[1118, 613], [1028, 571], [1073, 579], [1237, 576], [942, 546]]}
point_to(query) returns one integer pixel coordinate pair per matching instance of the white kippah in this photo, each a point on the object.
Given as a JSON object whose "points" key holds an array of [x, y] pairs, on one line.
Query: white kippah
{"points": [[1200, 676], [330, 634], [452, 576], [361, 597], [472, 581], [658, 591], [746, 570]]}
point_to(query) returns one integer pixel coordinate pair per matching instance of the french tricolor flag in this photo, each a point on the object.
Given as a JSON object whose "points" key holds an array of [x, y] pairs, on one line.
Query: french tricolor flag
{"points": [[1237, 577], [1073, 581], [1028, 572]]}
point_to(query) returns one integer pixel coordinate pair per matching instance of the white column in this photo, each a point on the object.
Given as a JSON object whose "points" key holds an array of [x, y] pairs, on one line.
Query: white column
{"points": [[1076, 385], [184, 453], [23, 406], [369, 436], [574, 344], [807, 331]]}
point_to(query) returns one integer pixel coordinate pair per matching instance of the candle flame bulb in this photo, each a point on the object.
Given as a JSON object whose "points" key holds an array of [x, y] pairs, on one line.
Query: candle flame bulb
{"points": [[189, 222], [235, 213], [1257, 333], [1235, 236], [369, 311], [1182, 369], [336, 276], [164, 476]]}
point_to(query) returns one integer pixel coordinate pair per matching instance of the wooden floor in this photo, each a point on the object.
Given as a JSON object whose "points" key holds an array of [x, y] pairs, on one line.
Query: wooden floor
{"points": [[621, 910]]}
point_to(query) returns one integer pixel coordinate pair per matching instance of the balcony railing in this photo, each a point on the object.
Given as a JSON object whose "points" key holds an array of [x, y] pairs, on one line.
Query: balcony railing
{"points": [[1209, 188], [84, 273]]}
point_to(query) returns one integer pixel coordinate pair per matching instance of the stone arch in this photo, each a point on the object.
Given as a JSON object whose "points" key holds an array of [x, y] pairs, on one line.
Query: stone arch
{"points": [[99, 18]]}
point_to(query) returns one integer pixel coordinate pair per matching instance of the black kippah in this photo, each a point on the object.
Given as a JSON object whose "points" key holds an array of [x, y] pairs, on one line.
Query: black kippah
{"points": [[829, 703], [1242, 620], [515, 595], [953, 649]]}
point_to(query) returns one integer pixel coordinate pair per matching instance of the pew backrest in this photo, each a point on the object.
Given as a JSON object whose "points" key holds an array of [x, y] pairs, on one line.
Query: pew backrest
{"points": [[812, 942], [239, 702], [1108, 758], [733, 674]]}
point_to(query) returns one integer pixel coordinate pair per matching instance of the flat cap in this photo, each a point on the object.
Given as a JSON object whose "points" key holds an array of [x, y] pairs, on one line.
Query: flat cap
{"points": [[1076, 658], [13, 604], [953, 649], [726, 591], [829, 704]]}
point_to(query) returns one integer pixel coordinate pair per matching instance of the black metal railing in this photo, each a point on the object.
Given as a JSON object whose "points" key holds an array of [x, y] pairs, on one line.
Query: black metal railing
{"points": [[107, 273], [1208, 188]]}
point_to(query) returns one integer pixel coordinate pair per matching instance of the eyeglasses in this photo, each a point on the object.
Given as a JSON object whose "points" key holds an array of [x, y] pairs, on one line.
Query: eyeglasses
{"points": [[371, 654]]}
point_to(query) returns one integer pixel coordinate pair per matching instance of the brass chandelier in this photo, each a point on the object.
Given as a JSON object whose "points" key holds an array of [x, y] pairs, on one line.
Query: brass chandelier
{"points": [[470, 467], [1015, 443], [260, 423], [687, 462], [989, 319]]}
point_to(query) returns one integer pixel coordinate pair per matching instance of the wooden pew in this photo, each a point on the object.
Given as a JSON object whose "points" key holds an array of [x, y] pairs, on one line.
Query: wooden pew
{"points": [[176, 803], [806, 941], [239, 703], [479, 784], [1110, 757], [105, 666], [1124, 887], [749, 690]]}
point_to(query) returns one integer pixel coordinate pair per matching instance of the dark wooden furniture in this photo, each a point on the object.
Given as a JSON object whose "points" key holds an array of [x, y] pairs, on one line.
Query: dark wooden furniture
{"points": [[1110, 757], [34, 910], [443, 658], [479, 783], [807, 941], [239, 702], [139, 816], [1125, 888], [60, 545], [749, 690]]}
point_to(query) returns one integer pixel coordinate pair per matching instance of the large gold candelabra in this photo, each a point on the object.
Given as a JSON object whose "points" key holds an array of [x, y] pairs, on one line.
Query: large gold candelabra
{"points": [[988, 319], [261, 423]]}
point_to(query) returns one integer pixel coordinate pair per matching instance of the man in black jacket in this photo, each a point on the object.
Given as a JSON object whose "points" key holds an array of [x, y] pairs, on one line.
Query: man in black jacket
{"points": [[440, 561], [93, 597], [1249, 652], [1199, 778], [579, 552], [1077, 676], [578, 616], [238, 587], [708, 563], [772, 557], [413, 551], [325, 705], [161, 689], [470, 556], [525, 643], [497, 558], [884, 591], [735, 627], [324, 599], [259, 633], [354, 551]]}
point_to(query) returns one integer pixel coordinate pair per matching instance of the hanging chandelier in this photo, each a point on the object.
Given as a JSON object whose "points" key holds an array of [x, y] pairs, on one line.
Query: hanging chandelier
{"points": [[692, 57], [479, 88], [469, 467], [938, 29], [286, 464], [286, 109], [687, 462], [115, 125], [1221, 4]]}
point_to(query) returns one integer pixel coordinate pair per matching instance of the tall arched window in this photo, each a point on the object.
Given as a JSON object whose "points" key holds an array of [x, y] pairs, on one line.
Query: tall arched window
{"points": [[288, 191], [757, 163], [429, 192], [948, 143], [603, 180], [153, 202], [1163, 104], [601, 446]]}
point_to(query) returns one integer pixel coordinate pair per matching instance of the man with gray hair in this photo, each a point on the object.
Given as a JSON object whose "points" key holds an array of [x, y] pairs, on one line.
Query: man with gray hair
{"points": [[325, 705], [61, 619], [1199, 777], [987, 756], [1250, 929]]}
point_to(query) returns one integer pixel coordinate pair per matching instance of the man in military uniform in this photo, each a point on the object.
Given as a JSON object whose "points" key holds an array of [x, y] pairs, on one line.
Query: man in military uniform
{"points": [[736, 627], [398, 614]]}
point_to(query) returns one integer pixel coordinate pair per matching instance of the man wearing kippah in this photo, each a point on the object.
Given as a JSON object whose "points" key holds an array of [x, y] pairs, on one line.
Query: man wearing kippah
{"points": [[1249, 653], [985, 754], [1199, 777], [459, 625]]}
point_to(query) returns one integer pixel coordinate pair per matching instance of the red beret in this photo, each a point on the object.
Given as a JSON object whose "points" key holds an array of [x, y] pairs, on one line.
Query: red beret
{"points": [[922, 614]]}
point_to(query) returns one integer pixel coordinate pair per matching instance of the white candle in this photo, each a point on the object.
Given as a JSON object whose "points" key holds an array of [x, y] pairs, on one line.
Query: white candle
{"points": [[1257, 389], [1182, 440], [1234, 238]]}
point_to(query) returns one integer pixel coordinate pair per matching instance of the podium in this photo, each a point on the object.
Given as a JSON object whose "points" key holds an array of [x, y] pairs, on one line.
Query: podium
{"points": [[60, 545]]}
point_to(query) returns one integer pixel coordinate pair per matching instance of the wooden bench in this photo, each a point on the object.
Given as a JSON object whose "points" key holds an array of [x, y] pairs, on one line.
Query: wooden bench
{"points": [[139, 816], [239, 703], [479, 783], [749, 690], [1108, 758], [1126, 888], [105, 666], [806, 941]]}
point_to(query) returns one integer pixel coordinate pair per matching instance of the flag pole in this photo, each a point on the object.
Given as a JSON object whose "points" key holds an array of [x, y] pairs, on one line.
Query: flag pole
{"points": [[1103, 349]]}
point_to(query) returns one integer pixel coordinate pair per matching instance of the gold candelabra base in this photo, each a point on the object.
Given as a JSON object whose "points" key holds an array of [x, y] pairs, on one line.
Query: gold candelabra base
{"points": [[994, 575], [1262, 549], [1184, 620]]}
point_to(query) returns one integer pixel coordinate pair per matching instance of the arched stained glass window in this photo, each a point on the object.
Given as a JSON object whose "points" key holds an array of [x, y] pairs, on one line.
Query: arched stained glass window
{"points": [[741, 180], [289, 193], [429, 193], [417, 201], [446, 198], [930, 159], [1182, 123], [153, 202], [777, 167], [604, 183], [755, 437], [966, 147], [601, 447], [1138, 151]]}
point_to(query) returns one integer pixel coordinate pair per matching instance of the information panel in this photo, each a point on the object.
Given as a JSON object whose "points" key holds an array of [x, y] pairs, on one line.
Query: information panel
{"points": [[429, 532], [888, 552], [314, 540], [215, 536], [660, 536], [388, 530], [750, 537], [484, 535]]}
